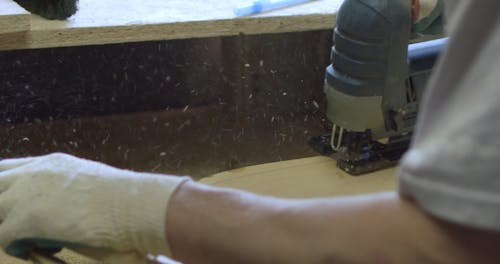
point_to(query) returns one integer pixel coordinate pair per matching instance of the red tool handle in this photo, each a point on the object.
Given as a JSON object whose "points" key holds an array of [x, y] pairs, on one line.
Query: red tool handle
{"points": [[415, 9]]}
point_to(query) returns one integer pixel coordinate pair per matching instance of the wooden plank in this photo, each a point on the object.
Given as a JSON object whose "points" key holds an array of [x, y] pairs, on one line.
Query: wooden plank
{"points": [[13, 18], [114, 21], [303, 178]]}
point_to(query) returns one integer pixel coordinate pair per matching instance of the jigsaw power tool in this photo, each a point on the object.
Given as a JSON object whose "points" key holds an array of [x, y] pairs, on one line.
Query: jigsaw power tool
{"points": [[374, 84]]}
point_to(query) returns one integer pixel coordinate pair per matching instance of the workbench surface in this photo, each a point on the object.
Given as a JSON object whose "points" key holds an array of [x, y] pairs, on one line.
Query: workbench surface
{"points": [[314, 177], [113, 21]]}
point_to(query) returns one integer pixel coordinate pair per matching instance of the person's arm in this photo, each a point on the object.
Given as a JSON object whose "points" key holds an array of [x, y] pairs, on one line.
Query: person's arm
{"points": [[214, 225]]}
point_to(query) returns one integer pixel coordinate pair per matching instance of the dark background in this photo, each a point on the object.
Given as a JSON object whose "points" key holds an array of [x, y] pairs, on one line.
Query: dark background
{"points": [[195, 106]]}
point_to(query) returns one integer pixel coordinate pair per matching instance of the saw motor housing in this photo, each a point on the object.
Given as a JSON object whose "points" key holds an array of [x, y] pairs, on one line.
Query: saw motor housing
{"points": [[374, 83]]}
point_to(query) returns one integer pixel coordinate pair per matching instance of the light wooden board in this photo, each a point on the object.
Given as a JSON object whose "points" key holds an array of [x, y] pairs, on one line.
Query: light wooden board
{"points": [[13, 18], [116, 21], [303, 178]]}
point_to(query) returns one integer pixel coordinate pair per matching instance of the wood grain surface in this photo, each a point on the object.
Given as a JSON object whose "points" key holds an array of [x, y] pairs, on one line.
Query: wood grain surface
{"points": [[312, 177], [13, 18], [113, 21]]}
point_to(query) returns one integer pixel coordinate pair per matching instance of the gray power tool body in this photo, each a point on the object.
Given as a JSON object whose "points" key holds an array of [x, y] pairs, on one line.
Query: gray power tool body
{"points": [[374, 84]]}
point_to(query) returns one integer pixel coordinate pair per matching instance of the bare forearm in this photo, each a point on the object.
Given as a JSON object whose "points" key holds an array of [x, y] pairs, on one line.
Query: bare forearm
{"points": [[211, 225]]}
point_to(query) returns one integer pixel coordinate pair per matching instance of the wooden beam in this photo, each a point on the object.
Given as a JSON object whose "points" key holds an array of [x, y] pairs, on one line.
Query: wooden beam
{"points": [[115, 21], [13, 18]]}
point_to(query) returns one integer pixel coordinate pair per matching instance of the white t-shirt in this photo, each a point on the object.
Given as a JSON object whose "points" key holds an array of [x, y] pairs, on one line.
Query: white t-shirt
{"points": [[452, 169]]}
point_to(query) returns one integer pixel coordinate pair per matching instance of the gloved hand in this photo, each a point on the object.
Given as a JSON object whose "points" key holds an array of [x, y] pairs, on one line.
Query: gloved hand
{"points": [[84, 204]]}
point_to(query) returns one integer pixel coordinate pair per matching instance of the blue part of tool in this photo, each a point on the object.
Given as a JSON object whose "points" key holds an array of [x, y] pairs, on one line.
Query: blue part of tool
{"points": [[259, 6]]}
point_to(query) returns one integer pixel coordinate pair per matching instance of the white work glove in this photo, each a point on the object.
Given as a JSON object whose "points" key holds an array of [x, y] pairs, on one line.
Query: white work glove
{"points": [[84, 203]]}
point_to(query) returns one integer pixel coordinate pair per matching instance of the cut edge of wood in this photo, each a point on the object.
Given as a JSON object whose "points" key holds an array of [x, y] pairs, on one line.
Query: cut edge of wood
{"points": [[67, 37]]}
